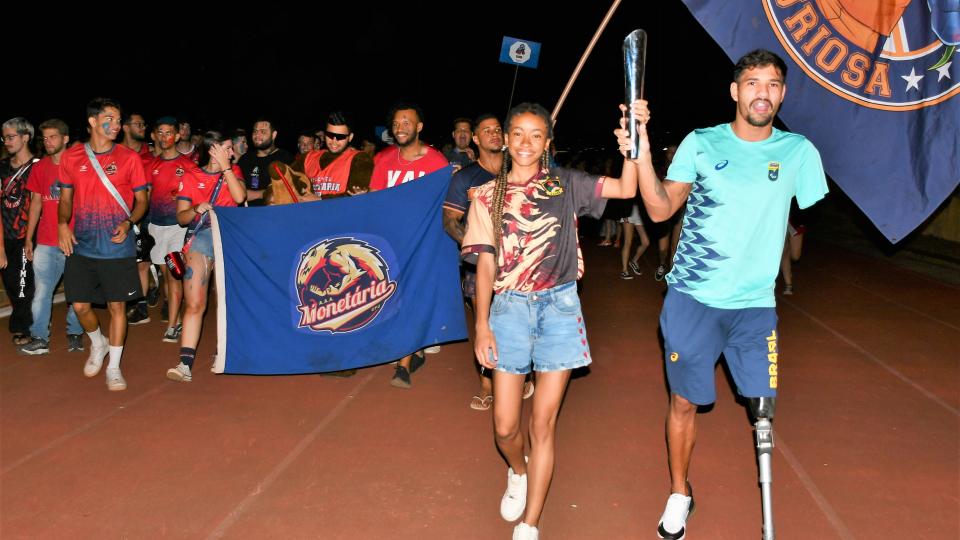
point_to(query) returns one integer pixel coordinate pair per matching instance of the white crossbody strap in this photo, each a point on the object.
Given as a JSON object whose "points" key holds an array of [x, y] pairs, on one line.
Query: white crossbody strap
{"points": [[108, 184]]}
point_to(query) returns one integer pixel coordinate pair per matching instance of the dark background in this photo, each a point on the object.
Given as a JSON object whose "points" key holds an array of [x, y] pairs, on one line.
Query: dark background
{"points": [[222, 66]]}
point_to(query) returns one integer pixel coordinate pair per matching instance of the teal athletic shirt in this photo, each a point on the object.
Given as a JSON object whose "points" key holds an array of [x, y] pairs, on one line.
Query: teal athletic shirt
{"points": [[736, 219]]}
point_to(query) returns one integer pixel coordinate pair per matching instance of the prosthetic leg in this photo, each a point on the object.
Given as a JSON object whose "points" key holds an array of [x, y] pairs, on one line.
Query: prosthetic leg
{"points": [[762, 410]]}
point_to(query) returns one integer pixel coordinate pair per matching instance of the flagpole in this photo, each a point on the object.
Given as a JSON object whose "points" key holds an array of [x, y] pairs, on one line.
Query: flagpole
{"points": [[583, 59], [510, 103]]}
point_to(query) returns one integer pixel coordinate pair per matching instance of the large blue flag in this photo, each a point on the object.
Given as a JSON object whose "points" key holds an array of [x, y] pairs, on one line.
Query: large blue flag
{"points": [[873, 83], [336, 284]]}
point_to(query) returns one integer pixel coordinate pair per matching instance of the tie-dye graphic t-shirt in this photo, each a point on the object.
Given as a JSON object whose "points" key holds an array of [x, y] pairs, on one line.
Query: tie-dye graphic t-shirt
{"points": [[95, 212], [539, 247]]}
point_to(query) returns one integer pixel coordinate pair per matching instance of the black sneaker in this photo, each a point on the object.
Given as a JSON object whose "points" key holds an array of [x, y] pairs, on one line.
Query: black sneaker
{"points": [[139, 315], [163, 312], [35, 346], [625, 275], [75, 342], [417, 362], [153, 296], [401, 378]]}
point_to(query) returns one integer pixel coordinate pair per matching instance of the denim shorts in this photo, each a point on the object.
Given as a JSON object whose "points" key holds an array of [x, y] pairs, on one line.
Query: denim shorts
{"points": [[542, 329], [203, 242]]}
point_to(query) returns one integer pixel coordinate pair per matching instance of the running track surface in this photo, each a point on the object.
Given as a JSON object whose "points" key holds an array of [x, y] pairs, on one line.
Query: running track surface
{"points": [[866, 432]]}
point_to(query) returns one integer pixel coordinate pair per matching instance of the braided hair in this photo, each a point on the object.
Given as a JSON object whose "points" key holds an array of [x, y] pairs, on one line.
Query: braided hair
{"points": [[500, 187]]}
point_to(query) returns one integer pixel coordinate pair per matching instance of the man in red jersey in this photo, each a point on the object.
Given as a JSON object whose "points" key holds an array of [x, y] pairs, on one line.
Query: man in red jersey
{"points": [[164, 174], [101, 253], [397, 164], [48, 260], [338, 169], [135, 135], [409, 158], [135, 138]]}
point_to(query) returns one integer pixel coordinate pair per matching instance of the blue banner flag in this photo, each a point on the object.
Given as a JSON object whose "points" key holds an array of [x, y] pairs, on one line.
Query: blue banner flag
{"points": [[520, 52], [336, 284], [873, 83]]}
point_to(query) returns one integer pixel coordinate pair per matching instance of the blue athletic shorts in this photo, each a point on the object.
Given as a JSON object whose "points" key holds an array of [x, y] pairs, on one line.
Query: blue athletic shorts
{"points": [[694, 336], [543, 330]]}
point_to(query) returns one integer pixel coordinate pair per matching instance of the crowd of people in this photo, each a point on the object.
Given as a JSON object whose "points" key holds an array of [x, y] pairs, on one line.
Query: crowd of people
{"points": [[105, 215]]}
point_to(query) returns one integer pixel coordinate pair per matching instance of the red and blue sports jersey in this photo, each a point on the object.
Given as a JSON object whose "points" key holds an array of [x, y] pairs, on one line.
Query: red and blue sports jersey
{"points": [[44, 182], [163, 177], [96, 213], [197, 187]]}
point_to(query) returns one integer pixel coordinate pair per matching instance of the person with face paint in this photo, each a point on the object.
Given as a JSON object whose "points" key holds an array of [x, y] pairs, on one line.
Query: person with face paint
{"points": [[164, 174], [530, 267], [47, 258], [197, 188], [240, 146], [255, 165], [720, 292], [16, 269], [101, 265], [397, 164]]}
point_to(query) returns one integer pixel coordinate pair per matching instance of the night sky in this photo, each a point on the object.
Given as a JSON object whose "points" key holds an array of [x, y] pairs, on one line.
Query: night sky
{"points": [[222, 68]]}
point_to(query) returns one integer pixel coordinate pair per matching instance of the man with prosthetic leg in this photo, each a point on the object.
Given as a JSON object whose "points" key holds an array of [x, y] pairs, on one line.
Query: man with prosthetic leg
{"points": [[737, 180]]}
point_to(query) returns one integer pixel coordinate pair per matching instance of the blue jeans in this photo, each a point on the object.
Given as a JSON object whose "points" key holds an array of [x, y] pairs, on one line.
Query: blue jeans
{"points": [[48, 264]]}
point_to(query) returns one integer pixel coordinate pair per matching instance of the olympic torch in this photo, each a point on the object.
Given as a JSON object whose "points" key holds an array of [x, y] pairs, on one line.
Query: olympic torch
{"points": [[634, 61]]}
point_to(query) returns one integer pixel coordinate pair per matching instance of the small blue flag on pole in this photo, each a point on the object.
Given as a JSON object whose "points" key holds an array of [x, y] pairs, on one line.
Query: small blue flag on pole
{"points": [[520, 52]]}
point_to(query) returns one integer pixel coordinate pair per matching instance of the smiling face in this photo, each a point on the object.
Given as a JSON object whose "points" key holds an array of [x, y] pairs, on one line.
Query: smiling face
{"points": [[106, 123], [337, 138], [406, 127], [758, 93], [526, 139]]}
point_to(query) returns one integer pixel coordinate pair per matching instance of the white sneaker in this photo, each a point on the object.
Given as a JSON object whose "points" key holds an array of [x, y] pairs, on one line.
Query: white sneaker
{"points": [[525, 532], [95, 360], [432, 350], [515, 497], [673, 522], [115, 380], [181, 373]]}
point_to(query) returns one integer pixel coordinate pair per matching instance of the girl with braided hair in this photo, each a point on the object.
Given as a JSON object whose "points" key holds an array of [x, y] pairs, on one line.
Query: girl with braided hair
{"points": [[522, 231]]}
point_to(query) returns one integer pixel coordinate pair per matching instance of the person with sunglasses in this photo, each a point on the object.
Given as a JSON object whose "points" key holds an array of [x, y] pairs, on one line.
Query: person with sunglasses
{"points": [[338, 169]]}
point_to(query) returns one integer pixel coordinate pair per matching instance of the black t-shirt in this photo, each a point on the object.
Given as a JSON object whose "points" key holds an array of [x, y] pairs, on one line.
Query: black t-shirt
{"points": [[467, 178], [255, 172], [16, 199]]}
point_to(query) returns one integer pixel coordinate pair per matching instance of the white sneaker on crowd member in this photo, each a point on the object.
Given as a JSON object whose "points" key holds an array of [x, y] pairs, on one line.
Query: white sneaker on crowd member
{"points": [[115, 380], [99, 347], [525, 532], [432, 349], [181, 373], [673, 522], [514, 499]]}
